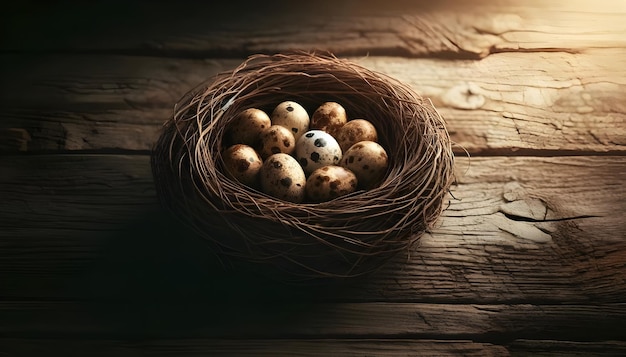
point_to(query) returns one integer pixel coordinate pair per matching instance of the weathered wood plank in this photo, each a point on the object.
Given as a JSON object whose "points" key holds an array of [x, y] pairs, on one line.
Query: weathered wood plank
{"points": [[525, 101], [93, 102], [305, 348], [520, 230], [409, 28], [540, 348], [252, 348], [251, 320], [548, 102]]}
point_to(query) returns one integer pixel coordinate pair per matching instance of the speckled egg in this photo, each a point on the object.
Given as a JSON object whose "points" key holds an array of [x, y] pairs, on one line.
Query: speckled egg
{"points": [[247, 125], [274, 140], [292, 116], [282, 177], [368, 160], [329, 182], [354, 131], [317, 148], [243, 164], [329, 117]]}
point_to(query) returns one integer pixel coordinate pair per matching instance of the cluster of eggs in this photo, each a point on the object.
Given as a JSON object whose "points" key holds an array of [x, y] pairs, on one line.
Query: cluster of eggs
{"points": [[298, 158]]}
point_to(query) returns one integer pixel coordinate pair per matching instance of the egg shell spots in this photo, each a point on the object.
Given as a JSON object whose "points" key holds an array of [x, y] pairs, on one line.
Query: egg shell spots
{"points": [[317, 148], [247, 125], [354, 131], [243, 164], [282, 177], [329, 117], [329, 182], [368, 160], [292, 116], [274, 140]]}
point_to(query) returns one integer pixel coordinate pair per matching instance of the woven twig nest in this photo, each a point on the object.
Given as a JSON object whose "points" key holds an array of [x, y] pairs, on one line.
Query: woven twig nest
{"points": [[345, 237]]}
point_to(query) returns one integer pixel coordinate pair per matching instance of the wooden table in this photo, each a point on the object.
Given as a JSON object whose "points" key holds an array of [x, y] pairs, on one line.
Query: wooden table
{"points": [[529, 259]]}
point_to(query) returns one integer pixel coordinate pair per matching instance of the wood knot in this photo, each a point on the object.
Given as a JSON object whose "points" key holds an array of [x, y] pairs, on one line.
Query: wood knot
{"points": [[524, 216], [513, 191], [464, 96]]}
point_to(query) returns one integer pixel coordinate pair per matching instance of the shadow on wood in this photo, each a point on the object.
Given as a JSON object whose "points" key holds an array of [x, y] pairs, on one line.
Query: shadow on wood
{"points": [[154, 273], [155, 257]]}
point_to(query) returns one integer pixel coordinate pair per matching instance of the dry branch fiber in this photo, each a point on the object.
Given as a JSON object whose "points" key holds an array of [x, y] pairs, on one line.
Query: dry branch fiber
{"points": [[345, 237]]}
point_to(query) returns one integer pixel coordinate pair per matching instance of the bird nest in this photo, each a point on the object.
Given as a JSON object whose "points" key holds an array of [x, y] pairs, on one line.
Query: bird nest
{"points": [[345, 237]]}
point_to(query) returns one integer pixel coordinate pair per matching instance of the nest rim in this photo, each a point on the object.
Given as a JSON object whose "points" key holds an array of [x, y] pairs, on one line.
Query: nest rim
{"points": [[348, 236]]}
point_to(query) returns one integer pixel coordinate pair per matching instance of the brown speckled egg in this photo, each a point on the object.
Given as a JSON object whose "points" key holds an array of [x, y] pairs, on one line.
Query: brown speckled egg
{"points": [[243, 164], [329, 182], [368, 160], [274, 140], [247, 125], [282, 177], [292, 116], [354, 131], [329, 117]]}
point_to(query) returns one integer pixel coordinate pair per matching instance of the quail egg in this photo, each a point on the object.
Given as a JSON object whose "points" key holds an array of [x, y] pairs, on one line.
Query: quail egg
{"points": [[242, 163], [368, 160], [247, 125], [330, 182], [354, 131], [274, 140], [329, 117], [282, 177], [292, 116], [317, 148]]}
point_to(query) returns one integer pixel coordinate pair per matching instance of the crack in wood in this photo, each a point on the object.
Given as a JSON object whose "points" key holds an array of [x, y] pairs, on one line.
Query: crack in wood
{"points": [[517, 218]]}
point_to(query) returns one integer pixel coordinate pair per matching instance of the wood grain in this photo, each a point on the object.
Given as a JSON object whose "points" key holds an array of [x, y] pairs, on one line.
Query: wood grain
{"points": [[297, 320], [540, 348], [521, 229], [448, 29], [251, 348], [306, 348], [528, 103]]}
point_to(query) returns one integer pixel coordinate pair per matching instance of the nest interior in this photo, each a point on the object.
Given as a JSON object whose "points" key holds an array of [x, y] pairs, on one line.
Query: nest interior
{"points": [[346, 237]]}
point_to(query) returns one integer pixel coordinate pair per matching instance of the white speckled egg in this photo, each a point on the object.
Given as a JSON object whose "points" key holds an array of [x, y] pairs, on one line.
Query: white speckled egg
{"points": [[368, 160], [317, 148], [282, 177], [243, 164], [292, 116], [274, 140], [329, 182], [354, 131], [247, 125], [329, 117]]}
